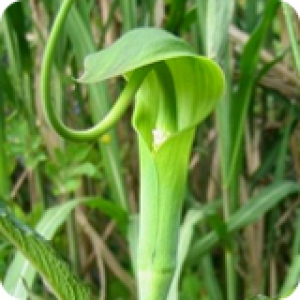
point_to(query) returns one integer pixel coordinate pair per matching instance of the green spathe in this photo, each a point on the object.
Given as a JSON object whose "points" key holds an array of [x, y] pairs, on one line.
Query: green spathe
{"points": [[135, 49], [178, 92], [173, 102]]}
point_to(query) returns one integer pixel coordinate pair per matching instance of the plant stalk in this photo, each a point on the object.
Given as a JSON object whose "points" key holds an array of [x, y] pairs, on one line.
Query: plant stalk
{"points": [[160, 215]]}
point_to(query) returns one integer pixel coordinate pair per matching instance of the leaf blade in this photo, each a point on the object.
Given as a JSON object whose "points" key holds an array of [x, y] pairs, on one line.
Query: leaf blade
{"points": [[21, 269]]}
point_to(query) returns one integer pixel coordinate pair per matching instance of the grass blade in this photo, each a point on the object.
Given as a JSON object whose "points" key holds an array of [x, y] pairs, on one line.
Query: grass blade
{"points": [[293, 274], [255, 208], [242, 97], [287, 10]]}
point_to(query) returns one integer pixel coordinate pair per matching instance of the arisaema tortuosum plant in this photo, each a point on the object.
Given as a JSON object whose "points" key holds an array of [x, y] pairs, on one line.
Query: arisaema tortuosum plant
{"points": [[174, 90]]}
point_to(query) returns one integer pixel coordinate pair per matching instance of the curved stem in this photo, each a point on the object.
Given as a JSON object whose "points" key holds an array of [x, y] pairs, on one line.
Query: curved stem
{"points": [[115, 113]]}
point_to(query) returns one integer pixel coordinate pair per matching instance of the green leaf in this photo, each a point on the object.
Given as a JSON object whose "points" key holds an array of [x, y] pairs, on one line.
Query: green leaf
{"points": [[214, 19], [68, 186], [242, 96], [144, 46], [40, 254], [254, 209], [186, 234], [191, 287], [293, 273], [111, 209], [84, 169], [21, 270]]}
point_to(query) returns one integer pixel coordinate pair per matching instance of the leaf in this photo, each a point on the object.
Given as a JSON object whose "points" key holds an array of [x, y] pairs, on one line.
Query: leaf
{"points": [[292, 277], [84, 169], [185, 238], [39, 253], [111, 209], [242, 96], [144, 46], [191, 287], [21, 270], [68, 186], [293, 272], [252, 211], [214, 19]]}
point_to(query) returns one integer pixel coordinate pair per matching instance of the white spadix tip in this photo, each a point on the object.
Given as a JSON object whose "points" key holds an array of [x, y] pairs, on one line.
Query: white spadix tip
{"points": [[159, 137]]}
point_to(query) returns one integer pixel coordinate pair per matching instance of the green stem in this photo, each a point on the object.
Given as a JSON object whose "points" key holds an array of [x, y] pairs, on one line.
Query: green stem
{"points": [[161, 203], [111, 118]]}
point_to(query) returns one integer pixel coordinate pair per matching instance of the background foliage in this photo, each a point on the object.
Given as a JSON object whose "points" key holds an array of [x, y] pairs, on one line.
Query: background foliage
{"points": [[241, 226]]}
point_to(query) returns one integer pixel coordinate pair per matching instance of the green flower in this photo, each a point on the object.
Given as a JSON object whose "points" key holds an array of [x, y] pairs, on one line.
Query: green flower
{"points": [[179, 90], [175, 89]]}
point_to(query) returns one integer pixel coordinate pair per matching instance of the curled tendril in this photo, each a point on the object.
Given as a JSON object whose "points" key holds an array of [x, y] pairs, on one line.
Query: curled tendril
{"points": [[113, 115]]}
